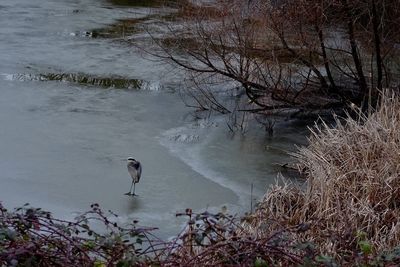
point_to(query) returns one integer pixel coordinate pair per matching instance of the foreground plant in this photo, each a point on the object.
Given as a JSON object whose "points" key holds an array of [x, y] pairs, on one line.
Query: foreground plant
{"points": [[218, 239], [223, 240], [32, 237]]}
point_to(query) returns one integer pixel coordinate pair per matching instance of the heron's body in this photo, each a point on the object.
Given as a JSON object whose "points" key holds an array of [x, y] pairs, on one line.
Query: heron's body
{"points": [[135, 170]]}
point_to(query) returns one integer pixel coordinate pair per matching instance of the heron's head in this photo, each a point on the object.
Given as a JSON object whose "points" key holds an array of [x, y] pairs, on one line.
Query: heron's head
{"points": [[131, 159]]}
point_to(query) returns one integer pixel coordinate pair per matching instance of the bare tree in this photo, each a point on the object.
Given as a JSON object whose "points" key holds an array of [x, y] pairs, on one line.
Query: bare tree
{"points": [[286, 56]]}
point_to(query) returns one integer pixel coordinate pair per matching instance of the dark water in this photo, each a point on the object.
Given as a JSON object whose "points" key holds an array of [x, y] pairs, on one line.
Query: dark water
{"points": [[62, 143]]}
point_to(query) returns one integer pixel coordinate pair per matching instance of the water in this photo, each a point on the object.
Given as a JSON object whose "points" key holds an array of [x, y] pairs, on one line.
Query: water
{"points": [[62, 144]]}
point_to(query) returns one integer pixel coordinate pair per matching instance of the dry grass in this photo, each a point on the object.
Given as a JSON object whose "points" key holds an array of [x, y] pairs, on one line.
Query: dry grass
{"points": [[352, 192]]}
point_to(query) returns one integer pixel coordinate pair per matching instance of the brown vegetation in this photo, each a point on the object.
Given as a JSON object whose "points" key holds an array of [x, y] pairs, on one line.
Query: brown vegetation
{"points": [[352, 194]]}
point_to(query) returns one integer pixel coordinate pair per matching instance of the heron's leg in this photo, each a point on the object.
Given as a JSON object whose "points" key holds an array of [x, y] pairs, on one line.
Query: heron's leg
{"points": [[130, 190], [134, 185]]}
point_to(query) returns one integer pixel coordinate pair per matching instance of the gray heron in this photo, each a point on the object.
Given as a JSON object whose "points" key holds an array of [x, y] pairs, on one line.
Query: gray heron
{"points": [[135, 170]]}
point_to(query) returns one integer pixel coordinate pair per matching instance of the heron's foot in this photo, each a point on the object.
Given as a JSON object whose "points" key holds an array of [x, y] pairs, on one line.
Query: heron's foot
{"points": [[130, 194]]}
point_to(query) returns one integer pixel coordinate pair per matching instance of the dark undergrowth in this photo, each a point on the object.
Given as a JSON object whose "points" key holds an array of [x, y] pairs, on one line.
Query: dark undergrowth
{"points": [[32, 237]]}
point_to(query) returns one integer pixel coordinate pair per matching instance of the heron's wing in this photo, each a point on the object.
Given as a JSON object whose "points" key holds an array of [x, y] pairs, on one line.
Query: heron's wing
{"points": [[139, 171], [134, 171]]}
